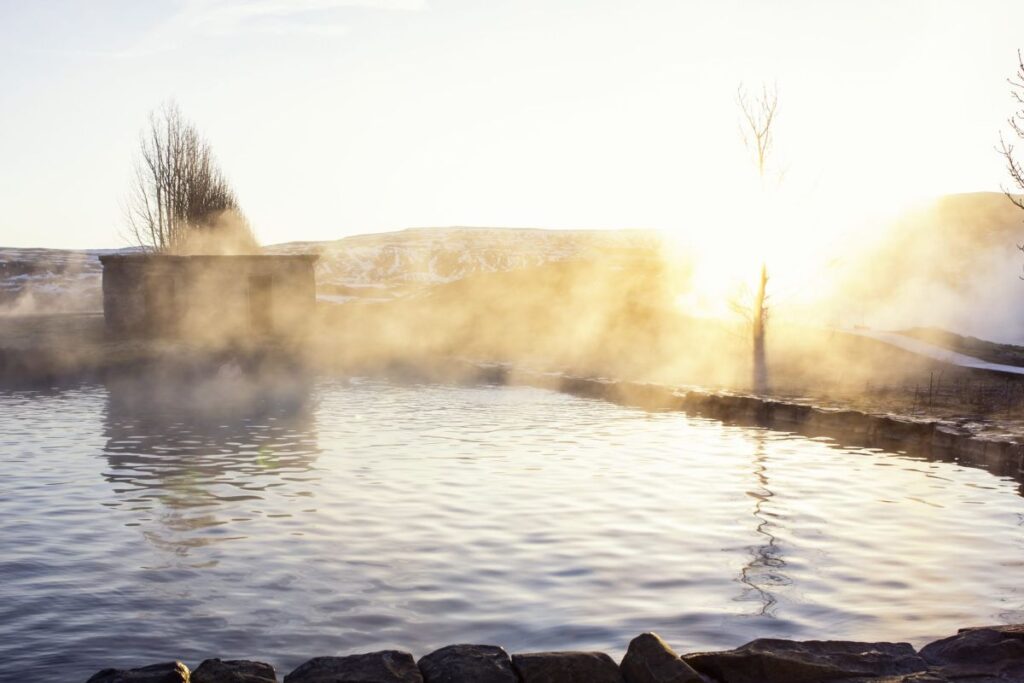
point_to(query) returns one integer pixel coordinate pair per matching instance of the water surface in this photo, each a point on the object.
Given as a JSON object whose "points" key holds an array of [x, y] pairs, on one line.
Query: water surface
{"points": [[329, 516]]}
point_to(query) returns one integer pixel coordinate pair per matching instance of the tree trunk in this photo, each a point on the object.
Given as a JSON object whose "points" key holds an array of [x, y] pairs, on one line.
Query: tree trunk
{"points": [[760, 311]]}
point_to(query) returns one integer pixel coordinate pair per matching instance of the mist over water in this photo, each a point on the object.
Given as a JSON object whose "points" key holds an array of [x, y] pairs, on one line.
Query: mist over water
{"points": [[952, 263], [334, 516]]}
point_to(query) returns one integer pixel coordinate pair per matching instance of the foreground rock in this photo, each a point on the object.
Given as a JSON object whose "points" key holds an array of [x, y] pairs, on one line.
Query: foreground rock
{"points": [[233, 671], [921, 677], [785, 661], [991, 654], [387, 666], [650, 660], [566, 667], [468, 664], [993, 651], [167, 672]]}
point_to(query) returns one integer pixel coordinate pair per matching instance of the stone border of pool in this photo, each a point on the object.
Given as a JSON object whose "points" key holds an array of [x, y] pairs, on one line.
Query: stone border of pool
{"points": [[977, 655], [931, 438]]}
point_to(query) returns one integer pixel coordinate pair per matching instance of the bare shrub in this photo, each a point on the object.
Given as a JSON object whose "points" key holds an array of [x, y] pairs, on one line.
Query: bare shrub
{"points": [[180, 201]]}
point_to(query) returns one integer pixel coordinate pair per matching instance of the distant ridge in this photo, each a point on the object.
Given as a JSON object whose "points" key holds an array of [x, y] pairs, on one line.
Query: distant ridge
{"points": [[373, 265], [952, 263]]}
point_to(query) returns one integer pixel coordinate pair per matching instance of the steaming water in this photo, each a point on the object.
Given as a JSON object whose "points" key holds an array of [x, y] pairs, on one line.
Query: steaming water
{"points": [[341, 517]]}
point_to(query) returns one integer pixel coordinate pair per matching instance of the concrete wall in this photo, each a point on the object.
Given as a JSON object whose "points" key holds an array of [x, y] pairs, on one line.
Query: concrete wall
{"points": [[207, 297]]}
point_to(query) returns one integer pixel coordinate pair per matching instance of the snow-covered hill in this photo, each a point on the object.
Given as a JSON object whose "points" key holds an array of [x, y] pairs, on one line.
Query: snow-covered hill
{"points": [[952, 264], [391, 264], [49, 280], [378, 266]]}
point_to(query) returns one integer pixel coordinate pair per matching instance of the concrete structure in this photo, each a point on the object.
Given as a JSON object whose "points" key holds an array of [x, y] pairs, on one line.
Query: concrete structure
{"points": [[207, 297]]}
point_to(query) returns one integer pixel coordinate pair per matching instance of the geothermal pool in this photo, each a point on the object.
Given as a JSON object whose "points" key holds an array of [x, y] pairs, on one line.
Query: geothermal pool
{"points": [[332, 516]]}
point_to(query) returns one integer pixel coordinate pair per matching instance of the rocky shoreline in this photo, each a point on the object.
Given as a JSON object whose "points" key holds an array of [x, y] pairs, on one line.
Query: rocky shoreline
{"points": [[991, 654]]}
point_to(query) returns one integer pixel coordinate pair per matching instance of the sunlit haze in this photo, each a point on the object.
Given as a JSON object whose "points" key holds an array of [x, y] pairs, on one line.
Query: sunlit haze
{"points": [[337, 117], [337, 332]]}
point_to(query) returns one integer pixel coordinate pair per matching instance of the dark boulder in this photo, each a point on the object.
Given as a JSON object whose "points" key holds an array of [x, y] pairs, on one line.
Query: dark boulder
{"points": [[566, 667], [387, 666], [994, 651], [468, 664], [167, 672], [650, 660], [920, 677], [233, 671], [785, 661]]}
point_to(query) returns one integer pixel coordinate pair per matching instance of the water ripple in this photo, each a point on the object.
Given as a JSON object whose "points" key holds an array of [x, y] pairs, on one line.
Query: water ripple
{"points": [[278, 522]]}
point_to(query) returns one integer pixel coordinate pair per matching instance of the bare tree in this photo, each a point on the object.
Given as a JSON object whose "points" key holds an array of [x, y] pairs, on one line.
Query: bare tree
{"points": [[756, 127], [1016, 122], [180, 200], [758, 115]]}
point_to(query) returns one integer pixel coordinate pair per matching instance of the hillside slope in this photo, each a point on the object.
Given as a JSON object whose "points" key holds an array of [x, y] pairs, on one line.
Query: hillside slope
{"points": [[379, 266], [952, 264]]}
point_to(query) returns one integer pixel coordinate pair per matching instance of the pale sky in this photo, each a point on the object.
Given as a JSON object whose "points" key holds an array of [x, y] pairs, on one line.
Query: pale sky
{"points": [[338, 117]]}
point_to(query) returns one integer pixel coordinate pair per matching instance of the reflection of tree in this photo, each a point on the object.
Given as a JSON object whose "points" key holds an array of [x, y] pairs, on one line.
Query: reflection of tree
{"points": [[763, 571], [199, 453]]}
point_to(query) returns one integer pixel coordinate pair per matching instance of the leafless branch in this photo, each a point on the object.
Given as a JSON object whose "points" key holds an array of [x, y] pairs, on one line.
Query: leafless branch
{"points": [[1014, 169], [758, 115]]}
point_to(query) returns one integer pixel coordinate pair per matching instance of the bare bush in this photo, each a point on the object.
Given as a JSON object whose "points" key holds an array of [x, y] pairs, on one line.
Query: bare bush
{"points": [[180, 201]]}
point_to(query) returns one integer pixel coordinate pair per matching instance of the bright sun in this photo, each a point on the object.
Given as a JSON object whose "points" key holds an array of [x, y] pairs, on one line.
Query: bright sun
{"points": [[800, 236]]}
